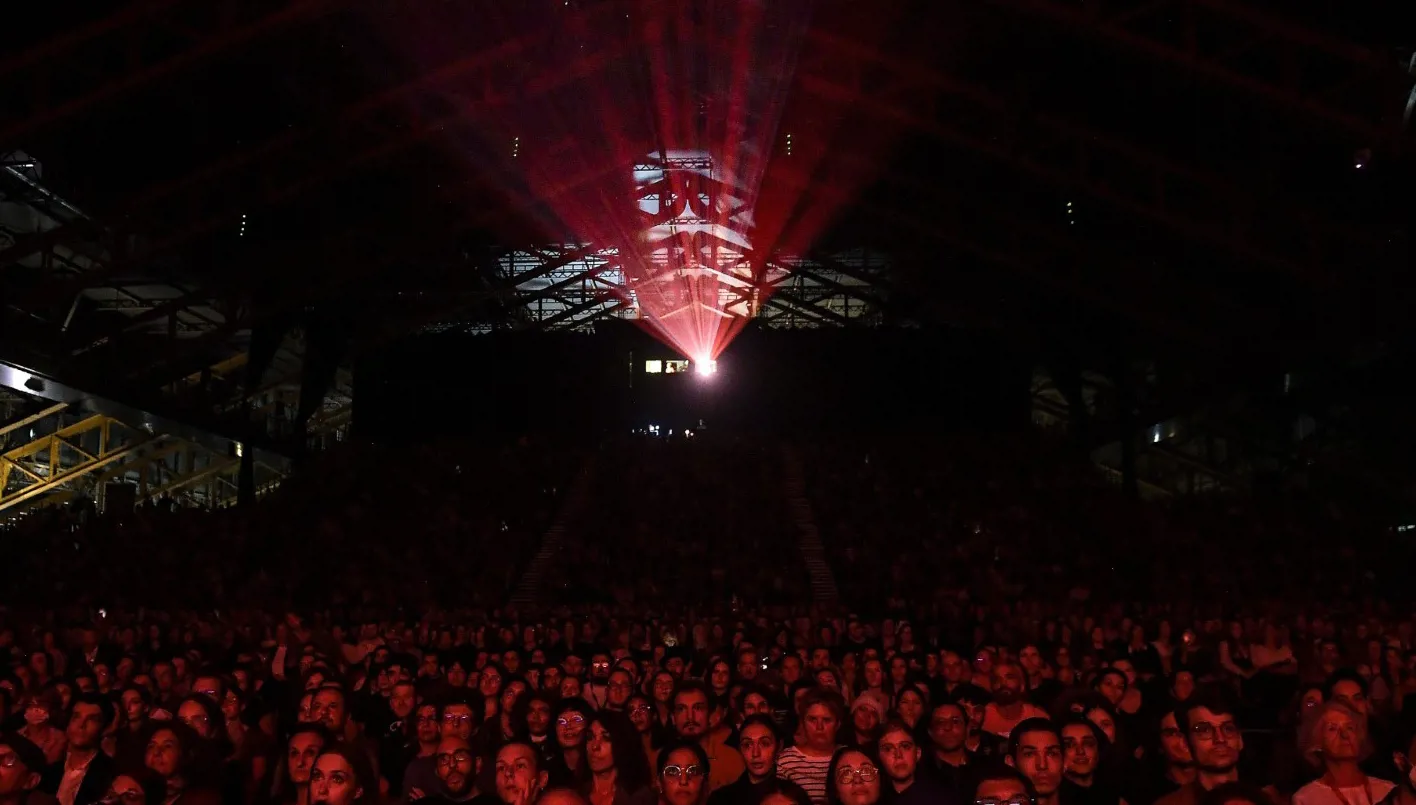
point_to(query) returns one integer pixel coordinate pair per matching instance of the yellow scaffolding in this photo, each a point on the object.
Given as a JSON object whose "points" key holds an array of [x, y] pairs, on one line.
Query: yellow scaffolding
{"points": [[57, 460]]}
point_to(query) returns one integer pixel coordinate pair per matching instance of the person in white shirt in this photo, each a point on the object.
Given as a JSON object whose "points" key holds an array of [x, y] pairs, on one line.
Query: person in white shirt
{"points": [[1332, 741]]}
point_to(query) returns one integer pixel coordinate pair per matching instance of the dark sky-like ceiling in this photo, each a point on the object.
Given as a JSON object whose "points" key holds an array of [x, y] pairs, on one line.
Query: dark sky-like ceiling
{"points": [[1207, 149]]}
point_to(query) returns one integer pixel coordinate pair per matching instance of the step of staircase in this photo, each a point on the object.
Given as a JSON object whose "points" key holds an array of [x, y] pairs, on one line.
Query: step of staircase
{"points": [[528, 590], [813, 554]]}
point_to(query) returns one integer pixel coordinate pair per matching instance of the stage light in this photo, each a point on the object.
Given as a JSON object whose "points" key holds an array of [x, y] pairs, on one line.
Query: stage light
{"points": [[705, 366]]}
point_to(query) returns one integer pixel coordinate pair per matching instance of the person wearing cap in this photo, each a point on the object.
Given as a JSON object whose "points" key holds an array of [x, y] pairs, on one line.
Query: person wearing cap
{"points": [[21, 766], [867, 713]]}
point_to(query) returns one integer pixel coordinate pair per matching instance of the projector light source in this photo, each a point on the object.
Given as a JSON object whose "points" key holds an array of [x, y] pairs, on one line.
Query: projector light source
{"points": [[705, 366]]}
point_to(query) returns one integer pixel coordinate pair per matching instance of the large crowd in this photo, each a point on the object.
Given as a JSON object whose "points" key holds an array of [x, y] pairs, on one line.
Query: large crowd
{"points": [[1011, 630]]}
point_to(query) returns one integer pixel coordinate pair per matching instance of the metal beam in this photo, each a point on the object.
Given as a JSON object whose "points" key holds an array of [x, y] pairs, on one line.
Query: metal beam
{"points": [[33, 418], [212, 435], [52, 461]]}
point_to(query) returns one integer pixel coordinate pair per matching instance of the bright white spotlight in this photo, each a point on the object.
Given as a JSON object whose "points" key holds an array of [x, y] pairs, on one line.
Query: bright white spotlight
{"points": [[705, 366]]}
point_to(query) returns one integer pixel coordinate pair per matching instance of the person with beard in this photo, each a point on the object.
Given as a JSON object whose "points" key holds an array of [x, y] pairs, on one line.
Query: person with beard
{"points": [[597, 686], [759, 743], [899, 756], [1209, 726], [1083, 746], [697, 717], [1009, 707], [458, 768], [1333, 741], [1405, 791]]}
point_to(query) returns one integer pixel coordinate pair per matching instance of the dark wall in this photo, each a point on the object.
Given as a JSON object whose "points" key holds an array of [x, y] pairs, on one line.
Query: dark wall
{"points": [[578, 385]]}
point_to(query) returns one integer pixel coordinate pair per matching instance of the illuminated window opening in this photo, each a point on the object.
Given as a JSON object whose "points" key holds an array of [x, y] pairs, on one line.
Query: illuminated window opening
{"points": [[654, 367]]}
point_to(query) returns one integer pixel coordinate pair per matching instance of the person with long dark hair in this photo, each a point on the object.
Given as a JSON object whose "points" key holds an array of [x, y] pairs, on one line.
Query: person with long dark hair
{"points": [[619, 773], [343, 775]]}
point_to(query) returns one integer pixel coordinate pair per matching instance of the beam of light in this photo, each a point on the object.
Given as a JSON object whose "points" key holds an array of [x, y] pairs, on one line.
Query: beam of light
{"points": [[651, 134]]}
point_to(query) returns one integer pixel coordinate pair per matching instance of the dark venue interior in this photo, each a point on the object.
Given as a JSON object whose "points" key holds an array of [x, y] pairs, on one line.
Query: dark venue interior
{"points": [[707, 402], [774, 383]]}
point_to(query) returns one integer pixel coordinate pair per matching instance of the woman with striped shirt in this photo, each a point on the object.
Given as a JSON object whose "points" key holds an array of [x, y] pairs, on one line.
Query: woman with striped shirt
{"points": [[807, 764]]}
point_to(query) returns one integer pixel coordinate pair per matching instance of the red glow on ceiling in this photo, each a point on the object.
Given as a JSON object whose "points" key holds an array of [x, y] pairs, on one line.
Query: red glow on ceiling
{"points": [[684, 145]]}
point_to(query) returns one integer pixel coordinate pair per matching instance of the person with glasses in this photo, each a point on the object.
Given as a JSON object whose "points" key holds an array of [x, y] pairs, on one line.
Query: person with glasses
{"points": [[1333, 742], [683, 770], [567, 766], [619, 688], [460, 715], [853, 778], [1210, 728], [22, 764], [645, 717]]}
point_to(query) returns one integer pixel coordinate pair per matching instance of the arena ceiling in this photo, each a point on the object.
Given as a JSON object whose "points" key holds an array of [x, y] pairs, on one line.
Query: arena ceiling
{"points": [[1198, 176]]}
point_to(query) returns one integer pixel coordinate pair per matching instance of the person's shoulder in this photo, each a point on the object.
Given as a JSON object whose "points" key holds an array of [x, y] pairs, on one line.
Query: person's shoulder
{"points": [[1390, 797], [1305, 795], [1381, 788], [1183, 795]]}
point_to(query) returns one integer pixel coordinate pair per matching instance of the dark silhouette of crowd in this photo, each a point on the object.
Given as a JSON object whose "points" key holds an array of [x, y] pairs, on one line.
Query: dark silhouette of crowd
{"points": [[1011, 627]]}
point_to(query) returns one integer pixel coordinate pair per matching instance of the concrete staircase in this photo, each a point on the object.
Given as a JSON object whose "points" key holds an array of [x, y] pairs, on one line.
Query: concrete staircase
{"points": [[813, 555], [528, 590]]}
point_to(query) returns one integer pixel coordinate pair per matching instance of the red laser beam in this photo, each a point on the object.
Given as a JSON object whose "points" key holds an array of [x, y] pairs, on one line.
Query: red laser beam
{"points": [[685, 184]]}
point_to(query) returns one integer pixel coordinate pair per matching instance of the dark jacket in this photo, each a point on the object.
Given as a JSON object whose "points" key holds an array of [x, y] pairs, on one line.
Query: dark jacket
{"points": [[925, 791], [741, 792], [97, 778]]}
